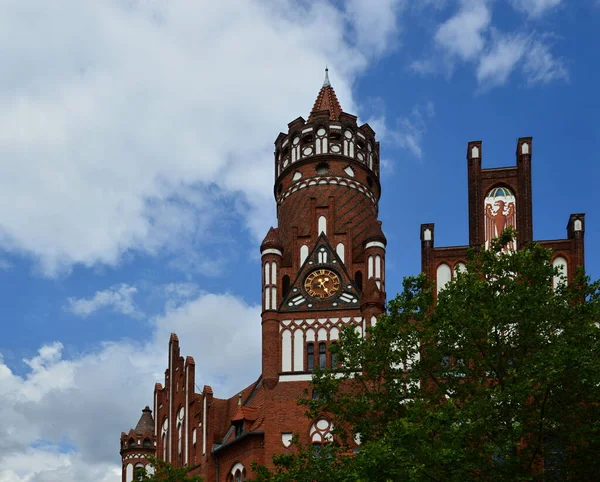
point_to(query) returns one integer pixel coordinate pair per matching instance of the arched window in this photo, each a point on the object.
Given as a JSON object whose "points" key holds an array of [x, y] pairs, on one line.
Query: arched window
{"points": [[140, 471], [310, 356], [131, 443], [165, 431], [320, 431], [180, 419], [334, 362], [322, 355], [443, 276], [147, 443], [238, 473]]}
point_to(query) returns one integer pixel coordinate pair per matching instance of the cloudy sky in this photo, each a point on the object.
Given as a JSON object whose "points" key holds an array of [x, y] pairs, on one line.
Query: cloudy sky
{"points": [[136, 141]]}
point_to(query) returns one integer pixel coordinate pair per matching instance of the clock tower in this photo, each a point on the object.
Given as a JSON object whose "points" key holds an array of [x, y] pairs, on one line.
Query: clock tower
{"points": [[323, 266], [323, 270]]}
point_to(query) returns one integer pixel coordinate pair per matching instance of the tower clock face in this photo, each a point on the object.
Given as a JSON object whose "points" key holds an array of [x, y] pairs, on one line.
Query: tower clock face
{"points": [[322, 283]]}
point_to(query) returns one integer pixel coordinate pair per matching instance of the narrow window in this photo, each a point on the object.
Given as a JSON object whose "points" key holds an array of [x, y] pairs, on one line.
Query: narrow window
{"points": [[358, 278], [310, 359], [285, 286], [334, 363], [322, 355]]}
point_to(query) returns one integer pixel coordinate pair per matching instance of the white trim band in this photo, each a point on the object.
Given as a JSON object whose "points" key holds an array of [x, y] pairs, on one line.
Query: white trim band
{"points": [[271, 251], [375, 244]]}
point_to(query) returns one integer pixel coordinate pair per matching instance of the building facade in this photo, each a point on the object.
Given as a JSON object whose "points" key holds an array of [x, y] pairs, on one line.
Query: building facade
{"points": [[323, 269]]}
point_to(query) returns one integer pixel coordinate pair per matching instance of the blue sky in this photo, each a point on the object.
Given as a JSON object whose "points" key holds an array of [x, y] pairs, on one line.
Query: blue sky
{"points": [[136, 144]]}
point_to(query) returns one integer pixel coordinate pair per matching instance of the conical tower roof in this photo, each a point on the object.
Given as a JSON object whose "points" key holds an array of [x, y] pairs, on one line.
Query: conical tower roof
{"points": [[272, 240], [327, 100], [146, 422], [375, 233]]}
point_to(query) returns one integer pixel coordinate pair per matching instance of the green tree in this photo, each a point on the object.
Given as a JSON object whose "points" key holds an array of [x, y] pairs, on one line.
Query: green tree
{"points": [[166, 472], [501, 381]]}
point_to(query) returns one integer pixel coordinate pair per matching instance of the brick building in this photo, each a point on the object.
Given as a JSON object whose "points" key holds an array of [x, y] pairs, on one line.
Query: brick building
{"points": [[500, 197], [323, 268]]}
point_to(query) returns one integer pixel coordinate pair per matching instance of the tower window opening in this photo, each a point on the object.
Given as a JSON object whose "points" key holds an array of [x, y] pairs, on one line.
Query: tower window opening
{"points": [[358, 279], [285, 289], [334, 136], [360, 144], [322, 168], [131, 443], [322, 355], [147, 443], [334, 361], [307, 139], [310, 356]]}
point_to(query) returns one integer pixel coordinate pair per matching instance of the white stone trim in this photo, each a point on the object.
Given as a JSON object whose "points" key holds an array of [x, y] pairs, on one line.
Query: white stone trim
{"points": [[307, 377], [204, 424], [271, 251], [375, 244], [236, 467], [170, 402], [187, 418], [301, 377]]}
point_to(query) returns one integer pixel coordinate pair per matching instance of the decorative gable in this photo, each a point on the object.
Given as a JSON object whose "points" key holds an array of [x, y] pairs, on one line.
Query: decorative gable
{"points": [[322, 283]]}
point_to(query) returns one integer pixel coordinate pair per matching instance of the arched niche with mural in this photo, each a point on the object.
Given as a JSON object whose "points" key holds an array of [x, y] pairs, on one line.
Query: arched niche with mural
{"points": [[500, 212]]}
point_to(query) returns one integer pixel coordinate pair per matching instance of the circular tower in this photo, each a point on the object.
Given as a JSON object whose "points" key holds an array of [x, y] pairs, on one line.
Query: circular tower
{"points": [[324, 264], [137, 445]]}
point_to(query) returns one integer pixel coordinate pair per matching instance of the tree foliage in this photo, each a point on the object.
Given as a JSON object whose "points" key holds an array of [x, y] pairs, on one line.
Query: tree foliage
{"points": [[499, 381], [166, 472]]}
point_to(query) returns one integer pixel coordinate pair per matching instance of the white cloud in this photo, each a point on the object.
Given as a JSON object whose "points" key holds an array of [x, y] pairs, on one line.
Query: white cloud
{"points": [[463, 34], [529, 53], [85, 402], [128, 126], [408, 131], [535, 8], [496, 65], [541, 66], [470, 37], [118, 298], [375, 22]]}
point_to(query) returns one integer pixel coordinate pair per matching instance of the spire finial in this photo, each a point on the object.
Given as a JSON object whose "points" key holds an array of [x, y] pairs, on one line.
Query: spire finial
{"points": [[326, 82], [240, 400]]}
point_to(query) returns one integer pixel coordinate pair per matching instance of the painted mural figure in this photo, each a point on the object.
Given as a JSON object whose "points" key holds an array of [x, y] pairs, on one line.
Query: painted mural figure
{"points": [[499, 214]]}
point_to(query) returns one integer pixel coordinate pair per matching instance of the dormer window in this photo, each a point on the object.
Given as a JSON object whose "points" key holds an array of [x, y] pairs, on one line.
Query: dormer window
{"points": [[239, 428]]}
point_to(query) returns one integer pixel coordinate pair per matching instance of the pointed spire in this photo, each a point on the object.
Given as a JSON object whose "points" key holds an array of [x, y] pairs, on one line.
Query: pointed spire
{"points": [[326, 82], [326, 100], [240, 400]]}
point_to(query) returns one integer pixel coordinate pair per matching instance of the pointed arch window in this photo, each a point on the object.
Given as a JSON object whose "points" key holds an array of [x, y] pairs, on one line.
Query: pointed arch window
{"points": [[180, 419], [165, 431]]}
